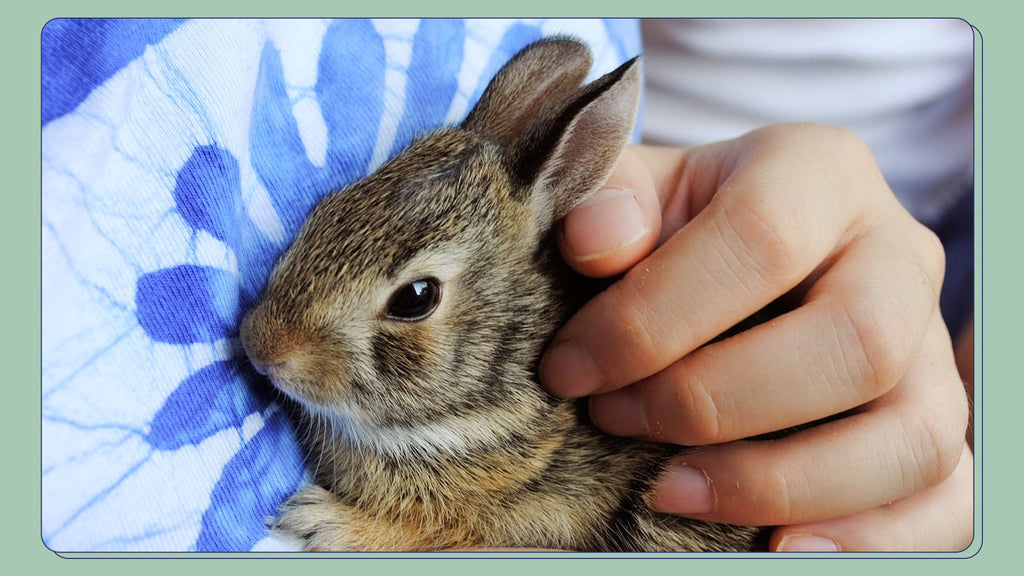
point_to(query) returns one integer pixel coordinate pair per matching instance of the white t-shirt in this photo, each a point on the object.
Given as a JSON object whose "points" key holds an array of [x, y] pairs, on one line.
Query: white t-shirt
{"points": [[905, 86]]}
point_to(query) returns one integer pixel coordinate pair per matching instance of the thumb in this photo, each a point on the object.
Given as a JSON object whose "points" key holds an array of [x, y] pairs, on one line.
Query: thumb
{"points": [[617, 226]]}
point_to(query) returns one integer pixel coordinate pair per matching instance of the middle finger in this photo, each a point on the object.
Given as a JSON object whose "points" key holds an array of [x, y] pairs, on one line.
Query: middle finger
{"points": [[851, 340]]}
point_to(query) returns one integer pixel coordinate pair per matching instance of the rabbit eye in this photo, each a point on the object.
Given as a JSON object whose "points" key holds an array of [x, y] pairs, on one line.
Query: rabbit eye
{"points": [[415, 301]]}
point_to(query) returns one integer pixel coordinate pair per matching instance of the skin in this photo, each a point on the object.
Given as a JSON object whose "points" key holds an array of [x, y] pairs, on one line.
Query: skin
{"points": [[706, 237]]}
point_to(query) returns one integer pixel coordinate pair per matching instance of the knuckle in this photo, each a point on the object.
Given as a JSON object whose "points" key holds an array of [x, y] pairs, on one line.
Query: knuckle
{"points": [[766, 238], [636, 331], [931, 253], [839, 142], [956, 414], [635, 327], [936, 447], [881, 329], [844, 157], [935, 434], [849, 145], [702, 419], [886, 319], [842, 143], [779, 496]]}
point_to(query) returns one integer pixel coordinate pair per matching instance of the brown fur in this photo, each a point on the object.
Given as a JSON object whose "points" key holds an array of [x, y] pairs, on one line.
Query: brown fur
{"points": [[435, 433]]}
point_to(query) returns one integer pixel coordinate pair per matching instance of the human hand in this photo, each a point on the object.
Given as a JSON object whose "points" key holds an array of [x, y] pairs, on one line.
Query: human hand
{"points": [[797, 214]]}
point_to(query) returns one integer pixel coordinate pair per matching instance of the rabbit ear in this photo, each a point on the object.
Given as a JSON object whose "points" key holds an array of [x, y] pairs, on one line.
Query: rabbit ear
{"points": [[567, 156], [537, 78]]}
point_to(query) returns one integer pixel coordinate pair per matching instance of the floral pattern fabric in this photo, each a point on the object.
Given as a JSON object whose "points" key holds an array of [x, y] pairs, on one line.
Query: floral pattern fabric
{"points": [[178, 160]]}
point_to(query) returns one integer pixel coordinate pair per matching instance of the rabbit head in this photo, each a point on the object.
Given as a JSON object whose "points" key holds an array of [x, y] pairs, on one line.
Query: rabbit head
{"points": [[426, 291]]}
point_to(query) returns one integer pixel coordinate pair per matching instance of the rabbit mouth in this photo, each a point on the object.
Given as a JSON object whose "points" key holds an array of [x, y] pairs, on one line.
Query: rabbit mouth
{"points": [[275, 372], [267, 370], [308, 395]]}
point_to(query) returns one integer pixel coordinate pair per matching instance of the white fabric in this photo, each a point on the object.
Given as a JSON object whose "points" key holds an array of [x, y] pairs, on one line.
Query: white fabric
{"points": [[905, 86]]}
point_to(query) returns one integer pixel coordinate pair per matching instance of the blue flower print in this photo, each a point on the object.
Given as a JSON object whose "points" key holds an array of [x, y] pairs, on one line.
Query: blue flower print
{"points": [[177, 166]]}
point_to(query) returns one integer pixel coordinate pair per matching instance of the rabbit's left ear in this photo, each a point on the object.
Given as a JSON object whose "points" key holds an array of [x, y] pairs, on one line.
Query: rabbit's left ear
{"points": [[535, 81], [569, 154], [560, 141]]}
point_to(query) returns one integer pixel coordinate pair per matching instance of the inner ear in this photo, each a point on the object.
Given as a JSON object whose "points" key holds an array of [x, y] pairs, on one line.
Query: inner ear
{"points": [[567, 156]]}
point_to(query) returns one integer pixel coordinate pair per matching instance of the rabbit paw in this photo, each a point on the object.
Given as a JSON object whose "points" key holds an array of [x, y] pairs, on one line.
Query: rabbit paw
{"points": [[316, 520]]}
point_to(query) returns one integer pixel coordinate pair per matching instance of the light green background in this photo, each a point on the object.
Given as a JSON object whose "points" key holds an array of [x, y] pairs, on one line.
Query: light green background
{"points": [[999, 312]]}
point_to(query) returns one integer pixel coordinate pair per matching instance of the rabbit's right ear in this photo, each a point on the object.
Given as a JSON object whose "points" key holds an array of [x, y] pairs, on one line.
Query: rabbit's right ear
{"points": [[536, 79]]}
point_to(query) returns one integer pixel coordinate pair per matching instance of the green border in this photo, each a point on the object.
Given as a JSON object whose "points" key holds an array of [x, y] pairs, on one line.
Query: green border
{"points": [[999, 123]]}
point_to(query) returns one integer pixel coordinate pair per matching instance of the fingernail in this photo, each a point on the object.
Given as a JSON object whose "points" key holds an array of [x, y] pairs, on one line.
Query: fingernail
{"points": [[568, 370], [621, 412], [607, 221], [806, 543], [683, 489]]}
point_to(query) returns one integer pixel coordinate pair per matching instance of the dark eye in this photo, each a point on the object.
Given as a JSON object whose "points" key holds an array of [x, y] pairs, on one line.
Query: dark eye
{"points": [[415, 301]]}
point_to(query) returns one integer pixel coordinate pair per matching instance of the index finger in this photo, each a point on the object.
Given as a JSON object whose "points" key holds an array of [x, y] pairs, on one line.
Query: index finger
{"points": [[762, 232]]}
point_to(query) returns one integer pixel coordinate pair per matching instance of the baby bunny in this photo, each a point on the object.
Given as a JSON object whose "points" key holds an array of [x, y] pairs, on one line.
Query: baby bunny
{"points": [[407, 319]]}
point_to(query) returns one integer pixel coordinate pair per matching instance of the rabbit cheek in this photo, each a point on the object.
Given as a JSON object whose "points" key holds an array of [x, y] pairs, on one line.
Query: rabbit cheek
{"points": [[402, 364]]}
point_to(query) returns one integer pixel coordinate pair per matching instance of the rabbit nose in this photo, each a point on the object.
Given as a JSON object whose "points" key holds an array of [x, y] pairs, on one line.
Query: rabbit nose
{"points": [[268, 346]]}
